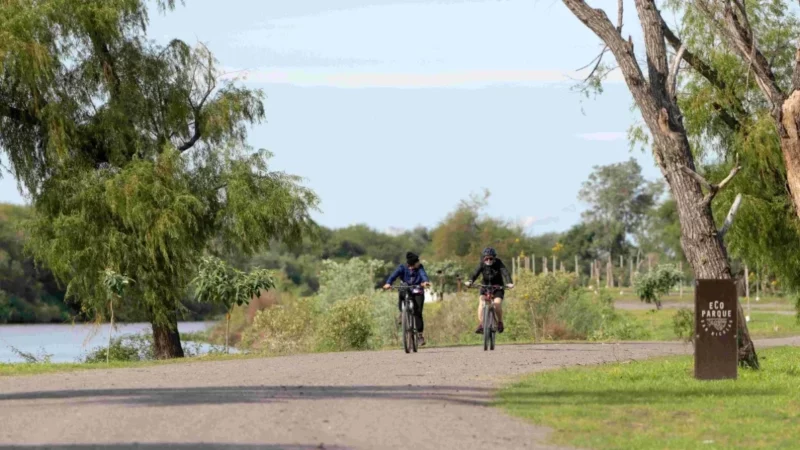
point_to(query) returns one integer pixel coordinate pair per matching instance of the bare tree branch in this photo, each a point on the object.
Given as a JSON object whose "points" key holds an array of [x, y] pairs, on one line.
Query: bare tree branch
{"points": [[732, 122], [712, 76], [597, 21], [655, 47], [596, 61], [197, 111], [18, 115], [699, 178], [737, 30], [713, 189], [729, 218], [708, 72], [733, 172], [672, 78], [796, 74]]}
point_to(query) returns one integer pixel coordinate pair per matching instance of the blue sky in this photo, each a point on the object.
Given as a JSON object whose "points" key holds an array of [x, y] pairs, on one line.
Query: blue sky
{"points": [[395, 110]]}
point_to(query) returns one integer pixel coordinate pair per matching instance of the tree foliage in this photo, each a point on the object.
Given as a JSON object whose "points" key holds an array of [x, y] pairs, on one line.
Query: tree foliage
{"points": [[619, 193], [350, 279], [651, 286], [134, 154], [739, 124], [217, 282]]}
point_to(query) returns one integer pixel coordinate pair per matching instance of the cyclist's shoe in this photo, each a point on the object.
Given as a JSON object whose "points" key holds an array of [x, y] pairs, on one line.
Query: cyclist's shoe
{"points": [[421, 339], [479, 330], [499, 327]]}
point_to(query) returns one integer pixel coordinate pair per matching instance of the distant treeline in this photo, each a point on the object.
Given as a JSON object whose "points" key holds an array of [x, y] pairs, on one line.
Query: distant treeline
{"points": [[637, 222]]}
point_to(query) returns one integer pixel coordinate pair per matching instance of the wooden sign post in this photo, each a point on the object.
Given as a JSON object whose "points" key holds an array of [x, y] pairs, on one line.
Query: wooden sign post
{"points": [[715, 351]]}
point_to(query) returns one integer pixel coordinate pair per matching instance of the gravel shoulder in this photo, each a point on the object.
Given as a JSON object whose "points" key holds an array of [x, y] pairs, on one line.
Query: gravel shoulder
{"points": [[439, 398]]}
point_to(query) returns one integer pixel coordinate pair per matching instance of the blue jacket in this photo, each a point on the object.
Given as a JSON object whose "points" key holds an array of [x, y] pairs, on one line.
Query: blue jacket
{"points": [[409, 276]]}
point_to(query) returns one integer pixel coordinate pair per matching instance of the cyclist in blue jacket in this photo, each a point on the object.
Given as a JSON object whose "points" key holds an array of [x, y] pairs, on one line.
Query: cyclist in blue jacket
{"points": [[412, 273]]}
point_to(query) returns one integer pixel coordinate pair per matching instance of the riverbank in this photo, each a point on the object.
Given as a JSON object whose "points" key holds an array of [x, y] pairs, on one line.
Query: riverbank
{"points": [[65, 343]]}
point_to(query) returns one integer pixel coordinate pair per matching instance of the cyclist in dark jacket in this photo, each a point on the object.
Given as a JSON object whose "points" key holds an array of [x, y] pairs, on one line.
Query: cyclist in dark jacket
{"points": [[412, 273], [494, 274]]}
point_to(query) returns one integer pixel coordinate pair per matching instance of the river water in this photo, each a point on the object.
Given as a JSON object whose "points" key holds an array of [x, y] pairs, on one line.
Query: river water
{"points": [[69, 343]]}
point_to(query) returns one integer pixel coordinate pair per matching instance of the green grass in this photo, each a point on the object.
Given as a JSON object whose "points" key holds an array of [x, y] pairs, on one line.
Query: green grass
{"points": [[628, 295], [761, 325], [13, 369], [657, 404]]}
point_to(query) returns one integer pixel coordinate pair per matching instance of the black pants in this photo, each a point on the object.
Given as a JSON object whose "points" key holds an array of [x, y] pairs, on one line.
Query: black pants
{"points": [[419, 302]]}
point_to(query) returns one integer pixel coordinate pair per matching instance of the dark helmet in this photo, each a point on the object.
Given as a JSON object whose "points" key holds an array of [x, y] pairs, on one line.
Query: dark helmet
{"points": [[489, 251], [411, 258]]}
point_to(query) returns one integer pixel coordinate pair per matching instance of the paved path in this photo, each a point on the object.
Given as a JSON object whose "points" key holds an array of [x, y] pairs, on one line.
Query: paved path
{"points": [[436, 399]]}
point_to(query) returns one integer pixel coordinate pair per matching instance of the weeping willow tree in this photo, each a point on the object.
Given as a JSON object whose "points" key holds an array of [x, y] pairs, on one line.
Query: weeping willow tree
{"points": [[134, 154], [731, 122]]}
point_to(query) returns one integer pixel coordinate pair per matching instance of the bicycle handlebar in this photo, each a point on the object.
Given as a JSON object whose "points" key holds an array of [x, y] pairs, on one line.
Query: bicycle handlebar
{"points": [[406, 286], [490, 286]]}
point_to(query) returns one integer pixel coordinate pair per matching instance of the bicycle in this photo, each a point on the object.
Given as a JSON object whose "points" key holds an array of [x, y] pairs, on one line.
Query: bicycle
{"points": [[489, 322], [410, 333]]}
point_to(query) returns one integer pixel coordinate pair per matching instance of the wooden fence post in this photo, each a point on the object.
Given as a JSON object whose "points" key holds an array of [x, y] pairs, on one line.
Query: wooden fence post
{"points": [[747, 289], [630, 277], [597, 272]]}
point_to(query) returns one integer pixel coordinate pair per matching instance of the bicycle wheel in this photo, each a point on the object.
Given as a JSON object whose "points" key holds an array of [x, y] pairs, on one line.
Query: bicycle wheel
{"points": [[487, 326], [413, 332], [406, 327], [493, 332]]}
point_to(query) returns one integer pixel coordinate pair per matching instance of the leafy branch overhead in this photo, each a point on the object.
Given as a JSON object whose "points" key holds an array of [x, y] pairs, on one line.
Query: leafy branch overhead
{"points": [[115, 283], [217, 282]]}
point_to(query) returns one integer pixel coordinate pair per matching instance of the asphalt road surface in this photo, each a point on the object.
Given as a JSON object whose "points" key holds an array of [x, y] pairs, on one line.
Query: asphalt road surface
{"points": [[438, 399]]}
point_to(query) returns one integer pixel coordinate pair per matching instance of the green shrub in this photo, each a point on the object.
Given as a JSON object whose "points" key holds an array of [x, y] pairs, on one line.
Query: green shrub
{"points": [[651, 286], [341, 281], [41, 358], [541, 300], [683, 324], [384, 316], [348, 325], [583, 313], [136, 347], [517, 320], [452, 321], [288, 327], [621, 328]]}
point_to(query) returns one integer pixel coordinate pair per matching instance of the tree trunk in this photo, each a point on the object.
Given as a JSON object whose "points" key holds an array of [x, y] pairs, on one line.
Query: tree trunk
{"points": [[657, 102], [789, 130], [227, 329], [167, 340], [110, 330]]}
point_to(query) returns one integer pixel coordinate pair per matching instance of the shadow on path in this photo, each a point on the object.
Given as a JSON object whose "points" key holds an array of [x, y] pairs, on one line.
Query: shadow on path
{"points": [[166, 446], [258, 394]]}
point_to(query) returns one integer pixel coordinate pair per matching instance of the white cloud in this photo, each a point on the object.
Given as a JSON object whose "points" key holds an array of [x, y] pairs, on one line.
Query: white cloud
{"points": [[395, 231], [529, 221], [604, 136], [365, 78]]}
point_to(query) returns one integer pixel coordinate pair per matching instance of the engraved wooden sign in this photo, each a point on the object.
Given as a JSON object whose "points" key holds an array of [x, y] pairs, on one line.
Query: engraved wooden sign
{"points": [[715, 352]]}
